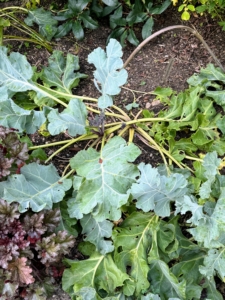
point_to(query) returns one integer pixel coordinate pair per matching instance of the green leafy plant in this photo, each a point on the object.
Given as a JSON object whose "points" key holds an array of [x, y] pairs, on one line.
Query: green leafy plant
{"points": [[151, 255], [185, 8], [75, 18], [140, 12], [8, 18], [144, 229], [79, 15], [214, 8]]}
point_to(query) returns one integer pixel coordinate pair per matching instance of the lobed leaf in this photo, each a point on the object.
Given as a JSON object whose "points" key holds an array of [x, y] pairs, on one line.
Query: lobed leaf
{"points": [[210, 76], [91, 273], [44, 19], [163, 281], [61, 73], [210, 228], [8, 212], [107, 177], [36, 187], [73, 119], [214, 263], [106, 77], [20, 271], [12, 116], [210, 164], [96, 232], [15, 72], [132, 240], [155, 192]]}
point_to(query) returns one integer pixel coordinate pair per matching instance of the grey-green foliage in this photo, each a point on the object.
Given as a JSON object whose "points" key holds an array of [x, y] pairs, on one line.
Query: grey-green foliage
{"points": [[13, 116], [145, 257], [17, 76], [107, 176], [73, 119], [156, 192], [96, 232], [37, 187], [109, 74], [58, 79], [62, 74], [144, 244]]}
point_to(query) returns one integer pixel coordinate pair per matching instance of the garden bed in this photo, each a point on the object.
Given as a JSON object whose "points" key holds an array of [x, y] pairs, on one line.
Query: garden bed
{"points": [[167, 61]]}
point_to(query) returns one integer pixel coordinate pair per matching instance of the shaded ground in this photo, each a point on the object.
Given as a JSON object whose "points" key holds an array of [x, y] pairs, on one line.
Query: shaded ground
{"points": [[149, 69]]}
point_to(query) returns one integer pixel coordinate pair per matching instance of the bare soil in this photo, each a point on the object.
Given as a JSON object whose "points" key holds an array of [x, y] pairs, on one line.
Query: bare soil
{"points": [[149, 69]]}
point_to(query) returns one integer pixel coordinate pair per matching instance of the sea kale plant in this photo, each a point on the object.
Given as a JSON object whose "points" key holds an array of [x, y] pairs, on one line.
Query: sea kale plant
{"points": [[146, 233]]}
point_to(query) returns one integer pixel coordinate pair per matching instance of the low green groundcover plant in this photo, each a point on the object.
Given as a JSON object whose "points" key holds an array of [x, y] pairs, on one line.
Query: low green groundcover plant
{"points": [[213, 7], [147, 233], [78, 15]]}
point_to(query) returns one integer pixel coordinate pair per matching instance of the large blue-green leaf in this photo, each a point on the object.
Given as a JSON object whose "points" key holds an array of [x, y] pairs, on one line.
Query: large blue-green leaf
{"points": [[107, 177], [210, 229], [210, 223], [73, 119], [107, 78], [99, 272], [37, 187], [190, 203], [13, 116], [214, 263], [61, 73], [16, 76], [156, 192], [210, 164], [165, 282], [15, 72], [96, 232]]}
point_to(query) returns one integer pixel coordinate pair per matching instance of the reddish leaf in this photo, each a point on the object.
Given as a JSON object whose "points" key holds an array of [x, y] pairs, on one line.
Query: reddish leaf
{"points": [[20, 271]]}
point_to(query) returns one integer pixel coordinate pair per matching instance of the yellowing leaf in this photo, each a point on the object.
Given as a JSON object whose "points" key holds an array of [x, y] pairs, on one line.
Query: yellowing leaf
{"points": [[185, 16]]}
